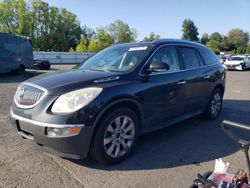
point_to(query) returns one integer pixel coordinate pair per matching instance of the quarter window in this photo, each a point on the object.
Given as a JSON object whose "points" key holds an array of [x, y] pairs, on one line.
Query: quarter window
{"points": [[189, 57], [208, 56], [167, 55]]}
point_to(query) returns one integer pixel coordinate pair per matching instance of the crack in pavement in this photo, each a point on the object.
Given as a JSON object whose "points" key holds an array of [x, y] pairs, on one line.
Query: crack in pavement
{"points": [[67, 171]]}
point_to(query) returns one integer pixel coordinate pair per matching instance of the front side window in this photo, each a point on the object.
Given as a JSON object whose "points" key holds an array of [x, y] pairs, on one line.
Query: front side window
{"points": [[120, 58], [208, 56], [189, 57], [167, 55]]}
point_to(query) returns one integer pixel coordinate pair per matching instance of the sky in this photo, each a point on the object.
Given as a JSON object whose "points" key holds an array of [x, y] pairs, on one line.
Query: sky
{"points": [[163, 17]]}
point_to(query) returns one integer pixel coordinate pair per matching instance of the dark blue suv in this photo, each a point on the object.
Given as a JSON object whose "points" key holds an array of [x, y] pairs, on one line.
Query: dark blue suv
{"points": [[103, 105]]}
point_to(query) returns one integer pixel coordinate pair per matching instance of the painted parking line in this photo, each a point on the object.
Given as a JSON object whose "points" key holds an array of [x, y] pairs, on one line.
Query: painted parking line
{"points": [[236, 90]]}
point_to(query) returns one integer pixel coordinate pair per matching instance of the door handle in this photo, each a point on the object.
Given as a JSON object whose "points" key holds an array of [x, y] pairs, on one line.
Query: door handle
{"points": [[207, 76], [182, 82]]}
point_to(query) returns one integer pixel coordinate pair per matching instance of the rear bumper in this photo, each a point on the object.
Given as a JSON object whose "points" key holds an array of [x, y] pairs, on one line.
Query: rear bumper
{"points": [[74, 147]]}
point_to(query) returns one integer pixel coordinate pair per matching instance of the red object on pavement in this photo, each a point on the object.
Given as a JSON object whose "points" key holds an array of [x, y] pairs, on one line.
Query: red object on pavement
{"points": [[216, 178]]}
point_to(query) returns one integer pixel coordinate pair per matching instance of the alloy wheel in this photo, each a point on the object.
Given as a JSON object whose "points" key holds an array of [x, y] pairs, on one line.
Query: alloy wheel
{"points": [[216, 104], [119, 136]]}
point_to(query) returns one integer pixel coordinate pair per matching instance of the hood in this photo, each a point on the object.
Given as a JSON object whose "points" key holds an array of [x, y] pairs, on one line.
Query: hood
{"points": [[69, 80], [228, 62]]}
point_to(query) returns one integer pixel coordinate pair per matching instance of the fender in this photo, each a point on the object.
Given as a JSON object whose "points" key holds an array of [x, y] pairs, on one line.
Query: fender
{"points": [[110, 105]]}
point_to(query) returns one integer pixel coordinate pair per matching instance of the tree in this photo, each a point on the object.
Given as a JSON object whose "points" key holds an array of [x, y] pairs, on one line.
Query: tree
{"points": [[151, 37], [204, 38], [216, 36], [93, 45], [104, 38], [24, 18], [190, 31], [241, 50], [70, 30], [225, 44], [14, 17], [88, 33], [98, 40], [121, 32], [82, 46], [248, 49], [238, 39], [49, 28], [214, 45]]}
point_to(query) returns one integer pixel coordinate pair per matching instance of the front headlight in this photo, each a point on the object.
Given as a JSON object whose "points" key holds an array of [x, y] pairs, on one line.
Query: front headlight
{"points": [[73, 101]]}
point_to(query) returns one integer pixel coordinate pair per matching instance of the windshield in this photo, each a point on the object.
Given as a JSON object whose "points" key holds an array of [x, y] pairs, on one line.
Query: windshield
{"points": [[236, 58], [119, 58]]}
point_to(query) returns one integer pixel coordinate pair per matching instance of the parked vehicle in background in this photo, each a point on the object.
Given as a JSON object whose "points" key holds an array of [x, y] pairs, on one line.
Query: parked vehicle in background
{"points": [[102, 106], [238, 62], [15, 53], [63, 57], [39, 63], [222, 59]]}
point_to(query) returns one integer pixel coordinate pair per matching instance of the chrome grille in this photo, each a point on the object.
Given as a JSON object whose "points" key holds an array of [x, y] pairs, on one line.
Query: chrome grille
{"points": [[28, 96]]}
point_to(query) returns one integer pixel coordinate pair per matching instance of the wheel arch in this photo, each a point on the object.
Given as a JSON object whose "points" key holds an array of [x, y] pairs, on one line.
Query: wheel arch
{"points": [[125, 102], [221, 87]]}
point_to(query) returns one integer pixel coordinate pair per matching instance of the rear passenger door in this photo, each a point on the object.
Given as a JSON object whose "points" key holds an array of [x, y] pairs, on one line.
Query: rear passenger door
{"points": [[194, 80]]}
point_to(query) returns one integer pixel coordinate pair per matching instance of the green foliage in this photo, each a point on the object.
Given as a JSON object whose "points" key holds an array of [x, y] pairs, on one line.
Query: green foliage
{"points": [[93, 45], [50, 28], [121, 32], [71, 50], [151, 37], [241, 50], [55, 29], [238, 38], [215, 42], [214, 45], [14, 17], [225, 45], [248, 49], [83, 45], [216, 36], [104, 38], [190, 31], [95, 41], [204, 38]]}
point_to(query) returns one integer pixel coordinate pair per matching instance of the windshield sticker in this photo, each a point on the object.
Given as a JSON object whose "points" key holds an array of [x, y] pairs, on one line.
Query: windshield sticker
{"points": [[137, 48]]}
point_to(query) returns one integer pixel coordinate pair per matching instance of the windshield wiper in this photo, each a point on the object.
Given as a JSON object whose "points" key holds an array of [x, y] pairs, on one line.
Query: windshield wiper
{"points": [[96, 69]]}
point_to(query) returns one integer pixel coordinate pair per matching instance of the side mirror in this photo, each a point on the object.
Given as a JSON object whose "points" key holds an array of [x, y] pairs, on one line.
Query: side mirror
{"points": [[158, 66]]}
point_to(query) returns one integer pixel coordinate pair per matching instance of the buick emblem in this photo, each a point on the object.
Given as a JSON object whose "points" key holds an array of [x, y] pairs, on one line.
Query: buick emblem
{"points": [[21, 93]]}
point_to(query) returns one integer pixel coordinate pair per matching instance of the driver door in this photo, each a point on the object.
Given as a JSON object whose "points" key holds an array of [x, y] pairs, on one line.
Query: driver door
{"points": [[163, 98]]}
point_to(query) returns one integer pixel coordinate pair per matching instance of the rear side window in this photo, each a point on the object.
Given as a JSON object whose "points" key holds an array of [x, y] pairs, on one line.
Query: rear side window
{"points": [[208, 56], [189, 57]]}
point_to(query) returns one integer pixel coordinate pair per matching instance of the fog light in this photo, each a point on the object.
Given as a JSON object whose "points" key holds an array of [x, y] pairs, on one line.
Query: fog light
{"points": [[62, 132]]}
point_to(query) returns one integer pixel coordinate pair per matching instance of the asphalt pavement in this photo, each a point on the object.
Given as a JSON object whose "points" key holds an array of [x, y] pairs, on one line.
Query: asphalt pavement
{"points": [[170, 157]]}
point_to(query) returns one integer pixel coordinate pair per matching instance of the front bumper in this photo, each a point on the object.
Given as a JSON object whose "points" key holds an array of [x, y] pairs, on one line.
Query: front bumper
{"points": [[75, 147], [234, 67]]}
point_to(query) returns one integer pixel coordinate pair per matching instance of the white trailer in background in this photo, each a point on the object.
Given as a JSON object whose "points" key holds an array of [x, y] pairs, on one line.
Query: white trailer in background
{"points": [[63, 57]]}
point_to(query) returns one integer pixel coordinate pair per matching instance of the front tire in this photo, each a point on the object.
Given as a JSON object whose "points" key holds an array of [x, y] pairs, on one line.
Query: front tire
{"points": [[214, 106], [116, 136], [243, 67]]}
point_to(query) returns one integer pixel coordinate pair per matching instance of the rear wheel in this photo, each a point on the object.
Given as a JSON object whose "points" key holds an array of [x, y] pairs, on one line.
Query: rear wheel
{"points": [[116, 136], [213, 108], [20, 70], [46, 65]]}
